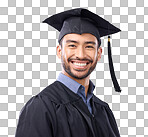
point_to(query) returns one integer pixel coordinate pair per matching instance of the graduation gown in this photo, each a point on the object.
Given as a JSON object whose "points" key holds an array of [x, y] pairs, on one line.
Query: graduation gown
{"points": [[58, 112]]}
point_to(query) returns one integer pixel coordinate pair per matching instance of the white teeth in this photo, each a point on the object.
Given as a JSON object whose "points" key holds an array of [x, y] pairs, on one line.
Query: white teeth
{"points": [[79, 64]]}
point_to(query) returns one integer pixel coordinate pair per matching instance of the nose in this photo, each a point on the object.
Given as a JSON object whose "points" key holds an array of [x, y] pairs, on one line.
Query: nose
{"points": [[80, 52]]}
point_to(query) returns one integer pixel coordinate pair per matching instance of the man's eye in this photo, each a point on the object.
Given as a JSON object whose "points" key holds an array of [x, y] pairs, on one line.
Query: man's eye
{"points": [[89, 47], [71, 46]]}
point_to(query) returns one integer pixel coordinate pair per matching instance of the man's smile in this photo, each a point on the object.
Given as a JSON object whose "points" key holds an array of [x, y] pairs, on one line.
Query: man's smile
{"points": [[77, 64]]}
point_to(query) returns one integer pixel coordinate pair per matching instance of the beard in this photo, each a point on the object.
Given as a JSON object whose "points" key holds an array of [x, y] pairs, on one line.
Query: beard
{"points": [[67, 69]]}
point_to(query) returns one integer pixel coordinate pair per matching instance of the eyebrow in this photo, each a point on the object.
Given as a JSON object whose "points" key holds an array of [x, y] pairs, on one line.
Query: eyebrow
{"points": [[90, 42], [87, 42]]}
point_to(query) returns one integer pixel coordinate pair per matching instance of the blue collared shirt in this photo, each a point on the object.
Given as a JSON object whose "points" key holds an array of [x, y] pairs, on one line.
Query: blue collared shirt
{"points": [[78, 89]]}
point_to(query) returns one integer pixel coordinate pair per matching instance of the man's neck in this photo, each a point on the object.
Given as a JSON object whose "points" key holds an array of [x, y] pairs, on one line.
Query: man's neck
{"points": [[84, 82]]}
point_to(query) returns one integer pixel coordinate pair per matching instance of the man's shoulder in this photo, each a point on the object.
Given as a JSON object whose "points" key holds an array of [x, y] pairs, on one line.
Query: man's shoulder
{"points": [[52, 91], [58, 93], [46, 97]]}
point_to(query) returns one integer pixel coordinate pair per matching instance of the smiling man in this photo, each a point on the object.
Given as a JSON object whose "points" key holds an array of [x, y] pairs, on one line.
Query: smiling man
{"points": [[79, 55], [68, 107]]}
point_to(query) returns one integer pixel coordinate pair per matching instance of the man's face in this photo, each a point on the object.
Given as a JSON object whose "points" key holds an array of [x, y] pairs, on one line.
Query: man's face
{"points": [[79, 54]]}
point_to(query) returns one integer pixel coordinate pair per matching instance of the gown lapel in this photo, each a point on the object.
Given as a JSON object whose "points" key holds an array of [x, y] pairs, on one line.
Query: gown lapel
{"points": [[82, 108]]}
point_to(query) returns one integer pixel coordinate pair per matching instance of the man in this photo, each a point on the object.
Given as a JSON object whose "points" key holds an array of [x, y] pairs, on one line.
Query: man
{"points": [[68, 107]]}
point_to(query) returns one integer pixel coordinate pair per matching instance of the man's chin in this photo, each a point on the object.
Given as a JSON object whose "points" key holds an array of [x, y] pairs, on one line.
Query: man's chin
{"points": [[80, 70], [79, 74]]}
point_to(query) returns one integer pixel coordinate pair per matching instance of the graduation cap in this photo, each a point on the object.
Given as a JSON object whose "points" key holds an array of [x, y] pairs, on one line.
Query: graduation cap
{"points": [[81, 21]]}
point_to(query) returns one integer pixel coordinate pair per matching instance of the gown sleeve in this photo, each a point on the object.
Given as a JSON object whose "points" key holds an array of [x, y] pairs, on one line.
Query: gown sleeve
{"points": [[112, 125], [35, 119]]}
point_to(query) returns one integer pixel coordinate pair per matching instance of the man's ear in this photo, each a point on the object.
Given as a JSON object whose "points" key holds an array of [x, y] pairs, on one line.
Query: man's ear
{"points": [[59, 51], [99, 53]]}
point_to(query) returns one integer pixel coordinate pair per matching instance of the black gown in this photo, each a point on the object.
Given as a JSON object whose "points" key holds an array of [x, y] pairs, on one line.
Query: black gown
{"points": [[58, 112]]}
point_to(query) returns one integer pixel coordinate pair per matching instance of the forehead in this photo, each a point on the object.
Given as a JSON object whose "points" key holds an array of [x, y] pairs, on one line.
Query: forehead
{"points": [[80, 37]]}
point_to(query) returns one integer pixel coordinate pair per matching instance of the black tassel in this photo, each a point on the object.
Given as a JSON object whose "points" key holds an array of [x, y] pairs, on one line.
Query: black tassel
{"points": [[111, 67]]}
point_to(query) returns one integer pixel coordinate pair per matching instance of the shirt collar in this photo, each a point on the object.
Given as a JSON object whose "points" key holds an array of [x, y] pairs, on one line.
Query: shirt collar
{"points": [[91, 87], [73, 85], [68, 82]]}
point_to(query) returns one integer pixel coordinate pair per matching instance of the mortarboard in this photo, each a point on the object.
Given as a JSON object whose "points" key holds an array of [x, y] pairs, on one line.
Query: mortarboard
{"points": [[81, 21]]}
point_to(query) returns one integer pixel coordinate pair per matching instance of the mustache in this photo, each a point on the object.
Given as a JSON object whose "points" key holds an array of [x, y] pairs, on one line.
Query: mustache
{"points": [[84, 59]]}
